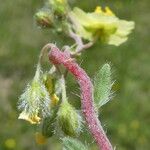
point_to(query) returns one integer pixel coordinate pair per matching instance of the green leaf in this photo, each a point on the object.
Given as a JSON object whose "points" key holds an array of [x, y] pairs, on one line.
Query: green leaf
{"points": [[103, 85], [73, 144]]}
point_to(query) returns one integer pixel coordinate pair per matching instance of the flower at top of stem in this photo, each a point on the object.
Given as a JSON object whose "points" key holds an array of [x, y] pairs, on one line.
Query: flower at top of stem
{"points": [[103, 25], [35, 101]]}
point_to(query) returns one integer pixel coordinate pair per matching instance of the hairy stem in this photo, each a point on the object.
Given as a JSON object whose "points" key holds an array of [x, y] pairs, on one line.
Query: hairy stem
{"points": [[44, 51], [63, 87], [94, 125], [80, 46]]}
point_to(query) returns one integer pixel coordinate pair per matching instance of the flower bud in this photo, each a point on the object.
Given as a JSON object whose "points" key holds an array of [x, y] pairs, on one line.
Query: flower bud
{"points": [[60, 7], [48, 127], [35, 101], [48, 124], [49, 83], [68, 119], [44, 18]]}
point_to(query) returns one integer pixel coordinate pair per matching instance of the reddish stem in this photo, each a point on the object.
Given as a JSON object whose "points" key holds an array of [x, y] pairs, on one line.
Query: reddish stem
{"points": [[58, 57]]}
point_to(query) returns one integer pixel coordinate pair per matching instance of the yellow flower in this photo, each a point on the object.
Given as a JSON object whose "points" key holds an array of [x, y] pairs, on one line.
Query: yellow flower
{"points": [[98, 9], [33, 119], [103, 25]]}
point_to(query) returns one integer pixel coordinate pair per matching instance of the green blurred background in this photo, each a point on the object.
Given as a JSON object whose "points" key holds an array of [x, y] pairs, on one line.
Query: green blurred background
{"points": [[126, 118]]}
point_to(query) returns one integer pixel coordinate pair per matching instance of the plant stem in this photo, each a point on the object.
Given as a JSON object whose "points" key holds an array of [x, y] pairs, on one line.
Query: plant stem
{"points": [[44, 50], [63, 87], [80, 46], [94, 125]]}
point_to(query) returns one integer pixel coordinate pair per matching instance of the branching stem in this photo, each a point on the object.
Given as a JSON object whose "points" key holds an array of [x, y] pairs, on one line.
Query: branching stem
{"points": [[80, 46]]}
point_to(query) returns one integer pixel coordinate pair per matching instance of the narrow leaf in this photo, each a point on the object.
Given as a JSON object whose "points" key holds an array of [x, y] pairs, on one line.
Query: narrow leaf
{"points": [[73, 144], [103, 85]]}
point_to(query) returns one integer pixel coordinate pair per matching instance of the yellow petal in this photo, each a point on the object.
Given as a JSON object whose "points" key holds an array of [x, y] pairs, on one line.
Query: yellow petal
{"points": [[35, 119], [32, 119], [109, 12], [98, 9], [54, 99]]}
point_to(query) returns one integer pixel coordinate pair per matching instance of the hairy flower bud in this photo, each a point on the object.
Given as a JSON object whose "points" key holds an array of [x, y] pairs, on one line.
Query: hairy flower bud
{"points": [[48, 127], [48, 124], [35, 101], [49, 83], [68, 119], [60, 7], [44, 18]]}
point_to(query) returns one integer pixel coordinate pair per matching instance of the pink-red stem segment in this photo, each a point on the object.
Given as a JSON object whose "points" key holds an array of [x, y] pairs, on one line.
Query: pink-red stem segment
{"points": [[58, 57]]}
